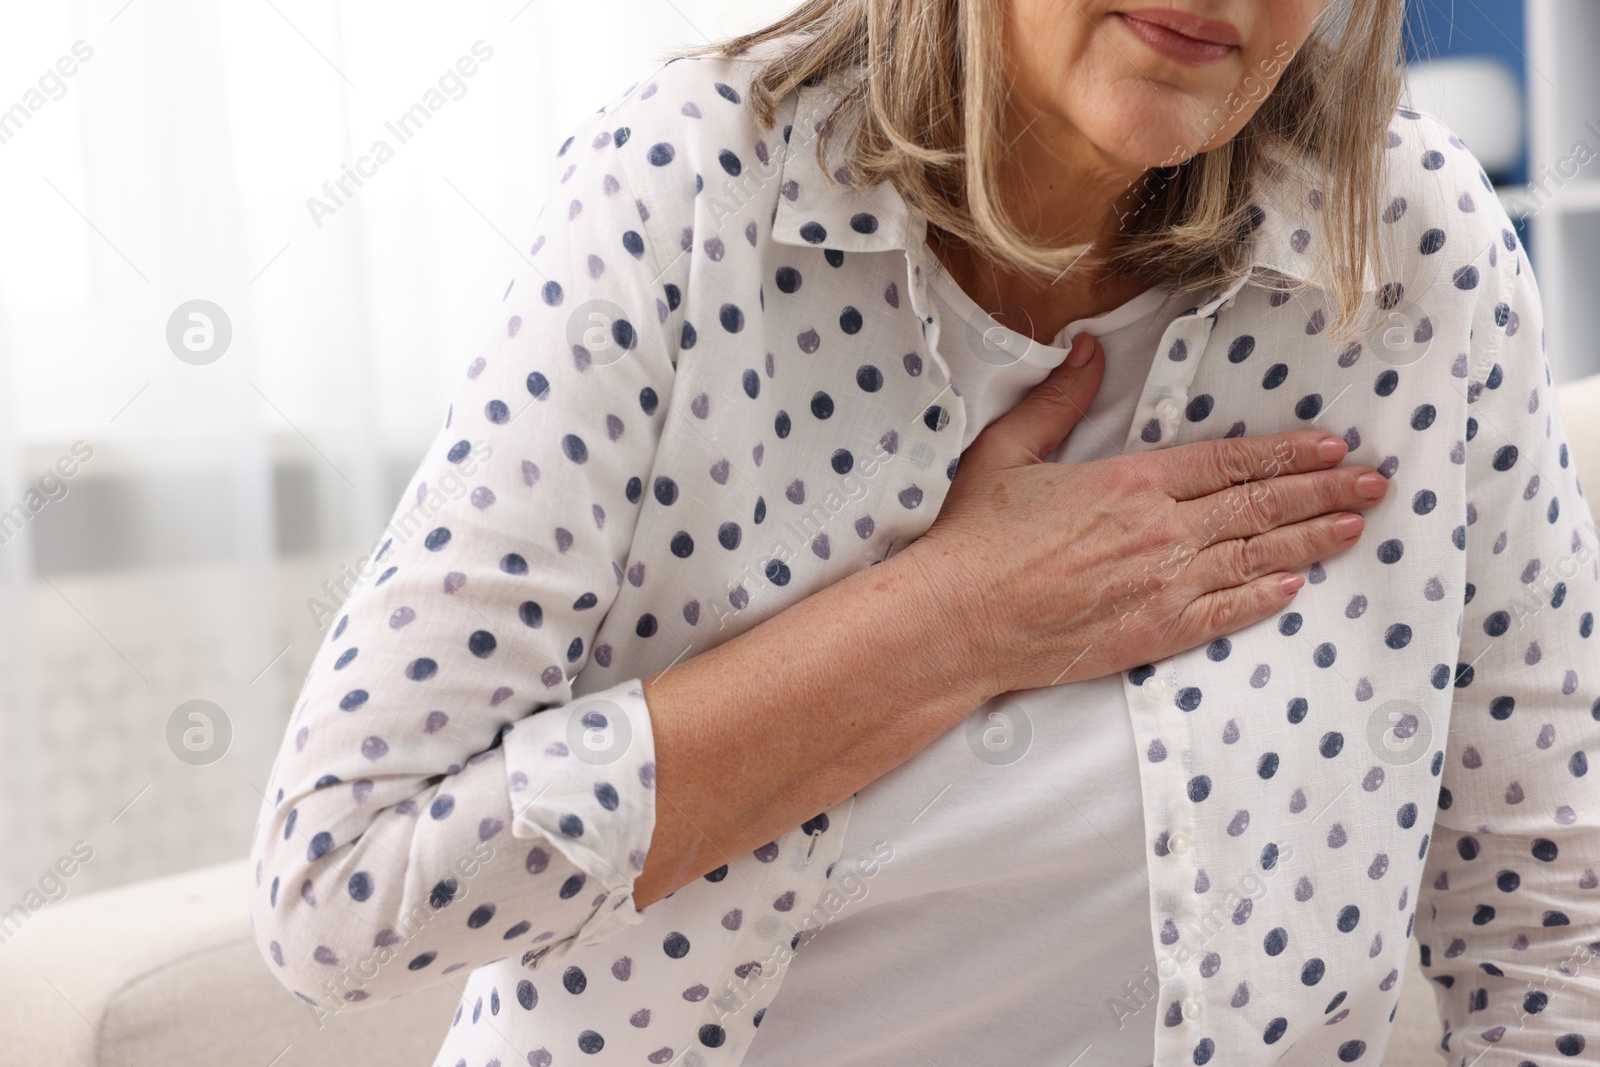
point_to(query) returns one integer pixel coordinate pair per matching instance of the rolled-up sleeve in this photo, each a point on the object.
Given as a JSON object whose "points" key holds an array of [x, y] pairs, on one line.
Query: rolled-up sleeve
{"points": [[441, 799], [1507, 919]]}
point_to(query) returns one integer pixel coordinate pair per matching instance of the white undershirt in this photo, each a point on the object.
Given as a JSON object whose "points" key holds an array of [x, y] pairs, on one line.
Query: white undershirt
{"points": [[928, 959]]}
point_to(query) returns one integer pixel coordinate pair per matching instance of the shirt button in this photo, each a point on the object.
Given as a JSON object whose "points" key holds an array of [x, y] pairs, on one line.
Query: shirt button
{"points": [[1191, 1009], [1178, 844], [1156, 688], [1167, 408]]}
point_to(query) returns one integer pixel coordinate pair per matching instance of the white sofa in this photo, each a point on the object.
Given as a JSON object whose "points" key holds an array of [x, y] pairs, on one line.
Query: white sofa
{"points": [[164, 972]]}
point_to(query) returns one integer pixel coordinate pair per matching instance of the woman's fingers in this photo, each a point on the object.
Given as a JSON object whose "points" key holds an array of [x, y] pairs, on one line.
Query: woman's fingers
{"points": [[1256, 507], [1225, 611], [1201, 468], [1238, 561]]}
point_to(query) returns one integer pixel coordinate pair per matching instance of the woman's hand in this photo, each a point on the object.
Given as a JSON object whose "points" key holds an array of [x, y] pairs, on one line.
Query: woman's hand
{"points": [[1069, 571]]}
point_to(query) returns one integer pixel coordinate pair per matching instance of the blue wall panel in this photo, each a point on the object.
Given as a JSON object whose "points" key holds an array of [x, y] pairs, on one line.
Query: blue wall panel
{"points": [[1436, 28]]}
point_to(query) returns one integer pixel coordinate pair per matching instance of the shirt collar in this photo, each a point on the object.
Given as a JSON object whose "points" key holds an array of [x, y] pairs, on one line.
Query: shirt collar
{"points": [[816, 208]]}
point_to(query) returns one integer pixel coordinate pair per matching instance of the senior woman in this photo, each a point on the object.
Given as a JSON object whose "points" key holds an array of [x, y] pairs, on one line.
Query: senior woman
{"points": [[703, 708]]}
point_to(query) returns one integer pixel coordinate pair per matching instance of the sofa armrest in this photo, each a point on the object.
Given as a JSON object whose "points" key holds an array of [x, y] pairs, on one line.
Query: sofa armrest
{"points": [[166, 971]]}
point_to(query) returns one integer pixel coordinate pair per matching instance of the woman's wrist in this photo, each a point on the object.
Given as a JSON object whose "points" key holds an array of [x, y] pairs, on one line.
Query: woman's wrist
{"points": [[963, 639]]}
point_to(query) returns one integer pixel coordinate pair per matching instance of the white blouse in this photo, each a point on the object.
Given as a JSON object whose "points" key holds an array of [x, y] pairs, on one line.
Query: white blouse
{"points": [[714, 389], [993, 367]]}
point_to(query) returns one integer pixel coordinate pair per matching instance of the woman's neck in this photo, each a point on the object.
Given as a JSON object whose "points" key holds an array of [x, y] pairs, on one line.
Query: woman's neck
{"points": [[1063, 190]]}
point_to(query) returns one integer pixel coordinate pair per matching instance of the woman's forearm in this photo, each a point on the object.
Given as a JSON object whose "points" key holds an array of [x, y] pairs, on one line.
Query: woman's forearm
{"points": [[761, 733]]}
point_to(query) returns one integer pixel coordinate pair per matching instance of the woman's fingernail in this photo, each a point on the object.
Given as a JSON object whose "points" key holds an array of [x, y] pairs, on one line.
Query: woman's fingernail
{"points": [[1291, 582], [1082, 348], [1348, 526]]}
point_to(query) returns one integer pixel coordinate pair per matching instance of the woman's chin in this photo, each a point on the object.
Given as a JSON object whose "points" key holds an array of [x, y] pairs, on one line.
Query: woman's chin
{"points": [[1145, 133]]}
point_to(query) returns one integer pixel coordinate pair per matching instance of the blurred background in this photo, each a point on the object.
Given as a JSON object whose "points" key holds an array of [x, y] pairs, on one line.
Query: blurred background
{"points": [[217, 369], [229, 472]]}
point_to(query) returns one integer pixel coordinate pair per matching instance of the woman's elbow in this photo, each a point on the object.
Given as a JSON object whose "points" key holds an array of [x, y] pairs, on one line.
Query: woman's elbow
{"points": [[327, 952]]}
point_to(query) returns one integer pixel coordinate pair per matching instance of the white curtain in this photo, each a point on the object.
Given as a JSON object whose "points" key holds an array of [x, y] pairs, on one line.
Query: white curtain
{"points": [[165, 521]]}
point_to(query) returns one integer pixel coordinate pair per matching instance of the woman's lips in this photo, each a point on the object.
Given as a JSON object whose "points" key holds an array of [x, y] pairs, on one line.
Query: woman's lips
{"points": [[1180, 36]]}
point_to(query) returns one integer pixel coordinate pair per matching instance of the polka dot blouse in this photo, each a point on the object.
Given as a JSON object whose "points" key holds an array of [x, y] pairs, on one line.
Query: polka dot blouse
{"points": [[714, 389]]}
